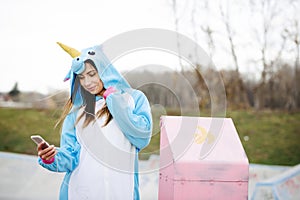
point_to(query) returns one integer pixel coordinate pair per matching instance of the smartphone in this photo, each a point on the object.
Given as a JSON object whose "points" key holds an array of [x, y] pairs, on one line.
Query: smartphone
{"points": [[38, 139]]}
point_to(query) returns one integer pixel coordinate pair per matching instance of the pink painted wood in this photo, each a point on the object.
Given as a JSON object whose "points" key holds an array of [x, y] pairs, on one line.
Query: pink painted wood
{"points": [[222, 173]]}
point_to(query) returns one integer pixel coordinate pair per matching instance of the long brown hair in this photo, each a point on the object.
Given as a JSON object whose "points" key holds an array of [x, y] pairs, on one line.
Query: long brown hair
{"points": [[89, 102]]}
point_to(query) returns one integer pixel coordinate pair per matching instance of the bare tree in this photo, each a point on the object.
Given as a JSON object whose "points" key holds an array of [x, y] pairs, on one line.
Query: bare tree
{"points": [[271, 36], [176, 23], [235, 89], [293, 35], [230, 34], [205, 26], [199, 84], [269, 11]]}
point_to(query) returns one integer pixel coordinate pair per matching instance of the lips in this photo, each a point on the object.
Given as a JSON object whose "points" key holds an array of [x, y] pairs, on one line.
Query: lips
{"points": [[91, 88]]}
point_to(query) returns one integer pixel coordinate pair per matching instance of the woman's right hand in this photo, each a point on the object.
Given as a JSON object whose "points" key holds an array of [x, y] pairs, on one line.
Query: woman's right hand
{"points": [[47, 153]]}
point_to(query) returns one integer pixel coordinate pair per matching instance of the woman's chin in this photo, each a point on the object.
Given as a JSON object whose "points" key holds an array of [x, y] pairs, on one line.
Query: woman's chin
{"points": [[94, 91]]}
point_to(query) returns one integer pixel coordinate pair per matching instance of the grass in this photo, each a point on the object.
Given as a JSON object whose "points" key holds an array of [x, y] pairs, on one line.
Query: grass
{"points": [[274, 137], [17, 125], [269, 137]]}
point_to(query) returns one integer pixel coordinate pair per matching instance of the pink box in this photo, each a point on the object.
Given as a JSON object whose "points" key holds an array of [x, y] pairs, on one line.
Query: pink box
{"points": [[201, 158]]}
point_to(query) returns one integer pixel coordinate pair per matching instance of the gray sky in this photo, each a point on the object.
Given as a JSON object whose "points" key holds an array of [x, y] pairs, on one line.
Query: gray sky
{"points": [[31, 28]]}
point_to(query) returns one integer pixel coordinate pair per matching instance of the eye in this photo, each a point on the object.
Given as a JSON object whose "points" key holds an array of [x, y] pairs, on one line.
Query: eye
{"points": [[91, 53], [80, 77], [91, 74]]}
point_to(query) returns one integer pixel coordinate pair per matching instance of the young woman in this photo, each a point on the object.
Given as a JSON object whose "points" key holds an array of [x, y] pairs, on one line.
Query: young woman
{"points": [[105, 124]]}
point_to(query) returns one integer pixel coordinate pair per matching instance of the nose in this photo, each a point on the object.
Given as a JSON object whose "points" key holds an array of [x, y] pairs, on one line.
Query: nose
{"points": [[87, 81]]}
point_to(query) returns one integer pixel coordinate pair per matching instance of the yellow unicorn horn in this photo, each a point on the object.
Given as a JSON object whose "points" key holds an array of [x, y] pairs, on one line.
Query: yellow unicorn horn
{"points": [[73, 52]]}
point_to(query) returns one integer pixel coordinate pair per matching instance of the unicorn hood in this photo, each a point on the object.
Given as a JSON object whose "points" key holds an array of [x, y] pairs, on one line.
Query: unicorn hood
{"points": [[106, 71]]}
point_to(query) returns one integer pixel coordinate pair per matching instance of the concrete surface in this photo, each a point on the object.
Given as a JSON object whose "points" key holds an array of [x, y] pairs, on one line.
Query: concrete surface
{"points": [[22, 178]]}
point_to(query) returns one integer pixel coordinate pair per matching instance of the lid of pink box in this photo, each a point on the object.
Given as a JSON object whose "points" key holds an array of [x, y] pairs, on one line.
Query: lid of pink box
{"points": [[203, 139]]}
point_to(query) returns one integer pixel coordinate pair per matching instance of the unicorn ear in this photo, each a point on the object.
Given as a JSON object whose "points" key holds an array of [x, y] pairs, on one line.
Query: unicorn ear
{"points": [[68, 76], [73, 52]]}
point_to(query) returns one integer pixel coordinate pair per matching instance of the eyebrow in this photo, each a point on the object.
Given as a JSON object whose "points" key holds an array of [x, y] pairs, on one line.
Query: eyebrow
{"points": [[91, 71]]}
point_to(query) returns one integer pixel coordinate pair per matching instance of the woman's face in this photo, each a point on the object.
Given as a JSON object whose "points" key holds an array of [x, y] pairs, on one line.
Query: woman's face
{"points": [[89, 79]]}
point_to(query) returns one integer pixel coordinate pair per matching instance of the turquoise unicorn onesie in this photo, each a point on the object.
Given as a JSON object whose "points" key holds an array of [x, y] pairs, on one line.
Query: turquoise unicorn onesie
{"points": [[101, 162]]}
